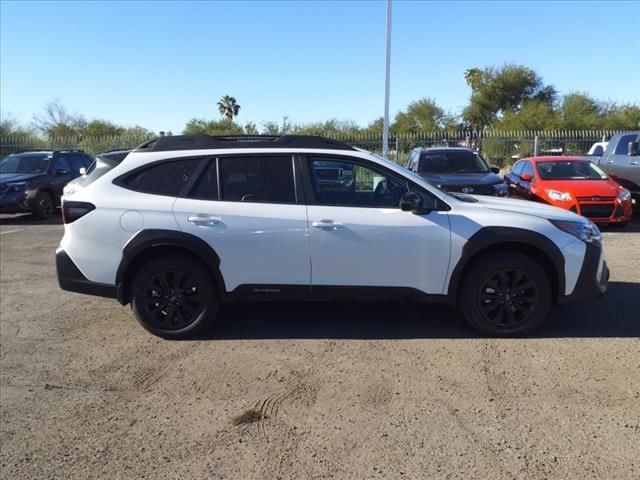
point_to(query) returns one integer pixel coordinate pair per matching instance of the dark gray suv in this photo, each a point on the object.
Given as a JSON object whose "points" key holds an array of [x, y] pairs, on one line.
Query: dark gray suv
{"points": [[33, 181]]}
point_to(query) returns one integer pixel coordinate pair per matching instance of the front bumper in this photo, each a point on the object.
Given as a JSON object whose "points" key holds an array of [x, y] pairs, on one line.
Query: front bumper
{"points": [[70, 278], [593, 280], [15, 202]]}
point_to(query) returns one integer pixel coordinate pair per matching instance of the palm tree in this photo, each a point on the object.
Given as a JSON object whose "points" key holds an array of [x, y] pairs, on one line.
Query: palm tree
{"points": [[228, 107]]}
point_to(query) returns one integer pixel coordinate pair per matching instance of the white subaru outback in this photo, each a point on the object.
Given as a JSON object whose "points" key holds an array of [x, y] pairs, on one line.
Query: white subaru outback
{"points": [[185, 223]]}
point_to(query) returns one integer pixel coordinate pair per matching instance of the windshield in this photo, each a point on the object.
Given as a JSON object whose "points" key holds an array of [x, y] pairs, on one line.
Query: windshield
{"points": [[452, 162], [570, 170], [25, 164]]}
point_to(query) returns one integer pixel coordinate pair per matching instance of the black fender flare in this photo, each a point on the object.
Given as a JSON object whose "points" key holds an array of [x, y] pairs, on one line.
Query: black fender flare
{"points": [[515, 239], [146, 240]]}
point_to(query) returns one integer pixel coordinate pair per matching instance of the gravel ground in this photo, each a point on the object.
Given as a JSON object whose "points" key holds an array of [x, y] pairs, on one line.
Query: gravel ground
{"points": [[312, 390]]}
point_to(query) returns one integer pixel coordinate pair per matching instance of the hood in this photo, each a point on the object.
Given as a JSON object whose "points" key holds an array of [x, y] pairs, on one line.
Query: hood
{"points": [[527, 207], [584, 188], [487, 178], [18, 177]]}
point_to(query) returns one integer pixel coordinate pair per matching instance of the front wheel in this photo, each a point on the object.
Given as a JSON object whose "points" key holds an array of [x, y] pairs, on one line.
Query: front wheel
{"points": [[174, 297], [44, 206], [505, 294]]}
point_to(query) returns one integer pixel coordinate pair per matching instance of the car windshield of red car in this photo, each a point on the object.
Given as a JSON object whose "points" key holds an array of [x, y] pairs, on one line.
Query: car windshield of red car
{"points": [[569, 171]]}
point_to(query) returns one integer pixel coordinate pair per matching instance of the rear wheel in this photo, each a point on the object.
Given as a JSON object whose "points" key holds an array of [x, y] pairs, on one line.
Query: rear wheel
{"points": [[505, 294], [44, 206], [174, 297]]}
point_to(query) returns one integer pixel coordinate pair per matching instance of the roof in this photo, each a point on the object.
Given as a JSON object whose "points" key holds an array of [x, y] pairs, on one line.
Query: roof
{"points": [[203, 142]]}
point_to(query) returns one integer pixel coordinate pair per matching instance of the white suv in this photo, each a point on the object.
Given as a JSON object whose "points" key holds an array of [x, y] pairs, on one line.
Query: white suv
{"points": [[185, 223]]}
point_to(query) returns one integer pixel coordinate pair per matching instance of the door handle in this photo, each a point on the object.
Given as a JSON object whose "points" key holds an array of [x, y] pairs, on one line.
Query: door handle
{"points": [[203, 220], [609, 162], [635, 162], [327, 224]]}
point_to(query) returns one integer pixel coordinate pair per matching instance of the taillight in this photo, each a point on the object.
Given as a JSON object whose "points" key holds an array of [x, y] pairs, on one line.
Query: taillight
{"points": [[72, 211]]}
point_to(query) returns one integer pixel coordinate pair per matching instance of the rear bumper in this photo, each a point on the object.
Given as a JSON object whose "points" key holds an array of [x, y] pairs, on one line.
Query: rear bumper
{"points": [[70, 278], [593, 281]]}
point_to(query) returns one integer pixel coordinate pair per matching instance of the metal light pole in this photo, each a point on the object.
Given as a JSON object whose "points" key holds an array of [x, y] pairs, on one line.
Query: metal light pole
{"points": [[385, 132]]}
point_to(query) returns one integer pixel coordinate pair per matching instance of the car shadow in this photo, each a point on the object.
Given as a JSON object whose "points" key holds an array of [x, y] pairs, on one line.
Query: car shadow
{"points": [[614, 315], [28, 219]]}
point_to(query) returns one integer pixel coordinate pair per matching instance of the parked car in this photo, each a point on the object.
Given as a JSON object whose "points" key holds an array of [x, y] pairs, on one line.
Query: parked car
{"points": [[33, 181], [456, 169], [184, 224], [621, 160], [101, 165], [597, 149], [572, 183]]}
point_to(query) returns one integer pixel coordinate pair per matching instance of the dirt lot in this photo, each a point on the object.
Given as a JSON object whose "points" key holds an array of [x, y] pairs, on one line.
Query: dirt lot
{"points": [[312, 390]]}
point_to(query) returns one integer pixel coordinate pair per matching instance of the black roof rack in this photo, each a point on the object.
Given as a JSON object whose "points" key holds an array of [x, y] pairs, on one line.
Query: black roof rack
{"points": [[198, 142]]}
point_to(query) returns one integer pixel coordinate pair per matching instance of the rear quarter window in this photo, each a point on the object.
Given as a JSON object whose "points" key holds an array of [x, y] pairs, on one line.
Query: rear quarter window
{"points": [[165, 178]]}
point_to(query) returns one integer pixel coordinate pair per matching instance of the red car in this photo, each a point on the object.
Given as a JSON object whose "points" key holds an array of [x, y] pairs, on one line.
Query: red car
{"points": [[572, 183]]}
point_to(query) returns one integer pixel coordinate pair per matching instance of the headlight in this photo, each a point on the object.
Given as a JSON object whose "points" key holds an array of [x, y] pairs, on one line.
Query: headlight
{"points": [[500, 189], [16, 186], [556, 195], [587, 232], [624, 196]]}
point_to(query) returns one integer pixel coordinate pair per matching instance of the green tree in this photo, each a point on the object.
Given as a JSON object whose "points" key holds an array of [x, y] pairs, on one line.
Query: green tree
{"points": [[423, 115], [250, 128], [228, 107], [621, 117], [578, 111], [533, 115], [496, 91], [9, 127], [211, 127]]}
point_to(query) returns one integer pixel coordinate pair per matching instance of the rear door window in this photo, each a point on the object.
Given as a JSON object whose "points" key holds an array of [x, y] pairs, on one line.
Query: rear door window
{"points": [[266, 179]]}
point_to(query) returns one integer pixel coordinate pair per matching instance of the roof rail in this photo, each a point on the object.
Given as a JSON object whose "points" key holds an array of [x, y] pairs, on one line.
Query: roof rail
{"points": [[201, 142]]}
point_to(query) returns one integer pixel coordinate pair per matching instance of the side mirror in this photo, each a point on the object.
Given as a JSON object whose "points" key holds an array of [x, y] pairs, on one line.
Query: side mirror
{"points": [[632, 149], [526, 177], [613, 176], [412, 202], [82, 171], [61, 171], [495, 170]]}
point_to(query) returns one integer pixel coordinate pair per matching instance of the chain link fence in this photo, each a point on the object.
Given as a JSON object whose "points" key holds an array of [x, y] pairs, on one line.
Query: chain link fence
{"points": [[499, 147]]}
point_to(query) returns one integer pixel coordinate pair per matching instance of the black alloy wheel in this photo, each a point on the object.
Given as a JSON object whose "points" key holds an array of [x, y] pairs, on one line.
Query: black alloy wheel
{"points": [[174, 297], [508, 297], [505, 294]]}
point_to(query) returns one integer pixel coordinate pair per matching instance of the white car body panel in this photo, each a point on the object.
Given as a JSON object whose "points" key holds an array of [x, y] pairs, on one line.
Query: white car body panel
{"points": [[258, 243], [381, 247]]}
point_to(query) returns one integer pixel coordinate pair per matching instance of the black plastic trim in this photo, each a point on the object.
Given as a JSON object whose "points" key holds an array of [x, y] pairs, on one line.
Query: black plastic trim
{"points": [[266, 292], [588, 285], [146, 240], [70, 278], [509, 237]]}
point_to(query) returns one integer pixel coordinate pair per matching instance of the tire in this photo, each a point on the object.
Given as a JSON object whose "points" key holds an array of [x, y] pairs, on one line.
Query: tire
{"points": [[174, 297], [487, 299], [44, 206]]}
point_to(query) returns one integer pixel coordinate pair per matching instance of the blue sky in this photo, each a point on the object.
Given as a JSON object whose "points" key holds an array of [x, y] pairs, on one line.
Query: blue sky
{"points": [[159, 64]]}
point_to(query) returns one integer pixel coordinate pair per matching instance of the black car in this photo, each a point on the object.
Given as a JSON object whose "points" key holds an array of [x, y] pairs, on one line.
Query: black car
{"points": [[33, 181], [457, 170]]}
